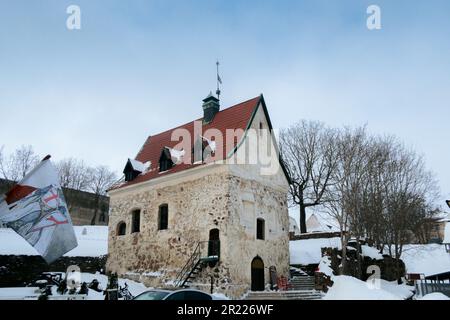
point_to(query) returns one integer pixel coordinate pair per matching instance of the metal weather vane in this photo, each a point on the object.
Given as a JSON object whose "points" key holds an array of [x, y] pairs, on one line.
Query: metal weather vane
{"points": [[219, 81]]}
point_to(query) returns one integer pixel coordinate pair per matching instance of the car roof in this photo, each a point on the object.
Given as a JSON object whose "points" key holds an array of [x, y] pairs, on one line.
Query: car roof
{"points": [[158, 290], [170, 290]]}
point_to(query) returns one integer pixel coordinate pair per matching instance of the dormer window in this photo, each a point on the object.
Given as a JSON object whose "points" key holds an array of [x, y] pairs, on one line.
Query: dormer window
{"points": [[203, 148], [133, 168], [165, 160], [199, 148]]}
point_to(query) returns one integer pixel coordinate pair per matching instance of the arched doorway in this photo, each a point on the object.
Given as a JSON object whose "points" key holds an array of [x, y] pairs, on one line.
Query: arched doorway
{"points": [[257, 274]]}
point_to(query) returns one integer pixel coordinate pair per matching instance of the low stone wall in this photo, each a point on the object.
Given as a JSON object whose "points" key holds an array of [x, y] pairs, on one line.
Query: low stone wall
{"points": [[17, 271], [313, 235], [388, 266]]}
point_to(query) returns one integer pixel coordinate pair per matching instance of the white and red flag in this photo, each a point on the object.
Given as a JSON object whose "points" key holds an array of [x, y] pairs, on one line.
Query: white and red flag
{"points": [[36, 209]]}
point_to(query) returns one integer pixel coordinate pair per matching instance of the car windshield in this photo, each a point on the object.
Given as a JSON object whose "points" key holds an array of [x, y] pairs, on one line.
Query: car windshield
{"points": [[152, 295]]}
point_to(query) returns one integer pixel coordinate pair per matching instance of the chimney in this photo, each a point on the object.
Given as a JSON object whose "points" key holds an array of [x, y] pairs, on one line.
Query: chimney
{"points": [[210, 108]]}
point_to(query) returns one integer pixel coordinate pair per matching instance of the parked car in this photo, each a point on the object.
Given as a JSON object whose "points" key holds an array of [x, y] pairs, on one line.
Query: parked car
{"points": [[182, 294]]}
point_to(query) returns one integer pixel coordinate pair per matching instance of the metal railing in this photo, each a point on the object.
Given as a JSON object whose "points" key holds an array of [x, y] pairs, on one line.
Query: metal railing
{"points": [[424, 287], [204, 251]]}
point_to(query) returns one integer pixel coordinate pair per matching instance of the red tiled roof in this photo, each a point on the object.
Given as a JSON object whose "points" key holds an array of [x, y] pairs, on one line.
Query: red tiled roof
{"points": [[235, 117]]}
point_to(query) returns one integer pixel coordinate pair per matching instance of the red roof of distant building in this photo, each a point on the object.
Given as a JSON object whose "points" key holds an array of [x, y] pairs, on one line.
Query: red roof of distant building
{"points": [[235, 117]]}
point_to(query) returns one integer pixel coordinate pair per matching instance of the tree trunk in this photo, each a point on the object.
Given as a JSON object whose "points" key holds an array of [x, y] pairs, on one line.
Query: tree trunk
{"points": [[302, 219], [97, 204], [359, 258], [343, 266]]}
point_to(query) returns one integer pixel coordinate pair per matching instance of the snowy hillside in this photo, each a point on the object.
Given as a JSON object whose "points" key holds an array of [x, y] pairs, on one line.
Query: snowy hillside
{"points": [[92, 242]]}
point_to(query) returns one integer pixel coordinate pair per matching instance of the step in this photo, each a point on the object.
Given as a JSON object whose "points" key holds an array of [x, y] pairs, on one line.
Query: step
{"points": [[285, 295]]}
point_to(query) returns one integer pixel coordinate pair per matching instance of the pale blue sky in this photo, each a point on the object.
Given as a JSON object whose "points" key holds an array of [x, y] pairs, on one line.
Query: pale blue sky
{"points": [[139, 67]]}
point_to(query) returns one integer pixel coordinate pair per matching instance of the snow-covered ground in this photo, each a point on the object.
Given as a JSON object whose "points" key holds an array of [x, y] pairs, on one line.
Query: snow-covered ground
{"points": [[435, 296], [447, 233], [32, 293], [308, 251], [350, 288], [428, 259], [135, 288], [92, 242]]}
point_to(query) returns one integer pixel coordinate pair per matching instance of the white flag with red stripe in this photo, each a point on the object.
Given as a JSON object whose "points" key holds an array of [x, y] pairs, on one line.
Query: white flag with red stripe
{"points": [[36, 209]]}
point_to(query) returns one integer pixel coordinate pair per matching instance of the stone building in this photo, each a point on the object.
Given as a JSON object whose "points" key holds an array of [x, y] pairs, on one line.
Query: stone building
{"points": [[85, 208], [196, 209]]}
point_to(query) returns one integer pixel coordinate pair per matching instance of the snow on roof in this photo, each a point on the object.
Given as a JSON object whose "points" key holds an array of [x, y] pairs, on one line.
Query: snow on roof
{"points": [[443, 217], [428, 259], [371, 252], [176, 155], [92, 242], [304, 252], [320, 222], [212, 144], [137, 165], [447, 233]]}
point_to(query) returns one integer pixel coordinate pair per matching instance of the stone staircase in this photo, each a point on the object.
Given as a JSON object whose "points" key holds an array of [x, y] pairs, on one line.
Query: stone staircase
{"points": [[300, 288], [302, 283], [285, 295]]}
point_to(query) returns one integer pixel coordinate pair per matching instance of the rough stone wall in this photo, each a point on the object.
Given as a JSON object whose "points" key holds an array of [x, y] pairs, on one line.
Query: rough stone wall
{"points": [[219, 200], [195, 207], [251, 200]]}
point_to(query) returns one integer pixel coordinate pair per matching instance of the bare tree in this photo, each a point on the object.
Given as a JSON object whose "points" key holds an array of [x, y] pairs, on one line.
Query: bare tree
{"points": [[309, 154], [344, 195], [102, 180], [18, 164], [409, 191], [74, 174]]}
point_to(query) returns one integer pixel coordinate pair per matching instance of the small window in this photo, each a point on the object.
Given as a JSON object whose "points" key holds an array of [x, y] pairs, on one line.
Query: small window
{"points": [[165, 165], [260, 226], [129, 176], [136, 221], [198, 151], [163, 217], [165, 160], [121, 228]]}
